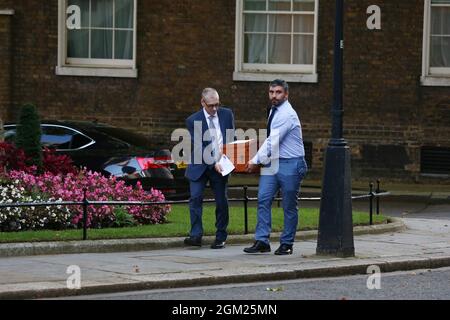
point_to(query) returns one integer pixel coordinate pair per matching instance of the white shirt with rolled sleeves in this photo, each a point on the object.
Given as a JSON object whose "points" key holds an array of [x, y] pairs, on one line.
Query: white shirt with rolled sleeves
{"points": [[285, 140]]}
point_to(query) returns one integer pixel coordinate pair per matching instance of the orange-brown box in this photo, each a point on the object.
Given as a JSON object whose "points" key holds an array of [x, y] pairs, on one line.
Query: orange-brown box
{"points": [[240, 152]]}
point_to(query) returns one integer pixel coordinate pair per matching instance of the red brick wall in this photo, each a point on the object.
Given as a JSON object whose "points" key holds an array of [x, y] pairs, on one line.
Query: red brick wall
{"points": [[5, 63], [184, 46]]}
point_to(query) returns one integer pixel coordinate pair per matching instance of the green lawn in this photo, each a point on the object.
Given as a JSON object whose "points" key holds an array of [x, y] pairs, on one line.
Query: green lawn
{"points": [[179, 225]]}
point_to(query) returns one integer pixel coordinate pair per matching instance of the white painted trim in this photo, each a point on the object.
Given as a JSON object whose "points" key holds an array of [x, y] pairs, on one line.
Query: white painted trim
{"points": [[7, 12], [238, 34], [431, 81], [278, 68], [135, 34], [278, 12], [439, 77], [92, 67], [266, 77], [96, 72], [100, 63], [268, 72], [61, 30], [316, 36], [426, 39], [438, 72]]}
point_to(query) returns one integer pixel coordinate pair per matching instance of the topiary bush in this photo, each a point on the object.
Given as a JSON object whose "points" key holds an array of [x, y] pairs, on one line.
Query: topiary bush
{"points": [[28, 137]]}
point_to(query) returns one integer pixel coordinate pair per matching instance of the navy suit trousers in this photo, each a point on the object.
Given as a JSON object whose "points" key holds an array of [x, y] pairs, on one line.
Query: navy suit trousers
{"points": [[219, 185]]}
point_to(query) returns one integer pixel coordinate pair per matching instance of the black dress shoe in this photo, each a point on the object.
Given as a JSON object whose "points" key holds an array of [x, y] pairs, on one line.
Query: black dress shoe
{"points": [[258, 246], [284, 249], [193, 241], [218, 244]]}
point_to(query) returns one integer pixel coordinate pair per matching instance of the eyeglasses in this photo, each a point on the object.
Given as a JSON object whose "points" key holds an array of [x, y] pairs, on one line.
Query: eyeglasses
{"points": [[216, 105]]}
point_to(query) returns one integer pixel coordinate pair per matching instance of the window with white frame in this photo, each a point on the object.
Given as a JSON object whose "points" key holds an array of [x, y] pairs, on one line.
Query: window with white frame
{"points": [[103, 44], [276, 37], [436, 51]]}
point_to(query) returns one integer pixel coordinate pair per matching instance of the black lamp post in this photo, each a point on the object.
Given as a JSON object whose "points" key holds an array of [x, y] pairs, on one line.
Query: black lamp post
{"points": [[335, 223]]}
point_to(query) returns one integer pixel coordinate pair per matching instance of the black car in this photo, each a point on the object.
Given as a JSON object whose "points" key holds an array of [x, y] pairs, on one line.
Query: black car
{"points": [[114, 151]]}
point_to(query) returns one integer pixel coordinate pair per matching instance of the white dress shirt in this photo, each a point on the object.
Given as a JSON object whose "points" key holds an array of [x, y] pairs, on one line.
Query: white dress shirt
{"points": [[217, 125], [285, 140]]}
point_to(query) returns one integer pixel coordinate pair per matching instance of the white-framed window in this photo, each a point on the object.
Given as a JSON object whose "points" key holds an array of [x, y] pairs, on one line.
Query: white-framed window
{"points": [[436, 43], [276, 38], [105, 43]]}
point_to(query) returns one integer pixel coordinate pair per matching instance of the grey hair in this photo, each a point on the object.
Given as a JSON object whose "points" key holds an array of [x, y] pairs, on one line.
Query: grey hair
{"points": [[208, 92]]}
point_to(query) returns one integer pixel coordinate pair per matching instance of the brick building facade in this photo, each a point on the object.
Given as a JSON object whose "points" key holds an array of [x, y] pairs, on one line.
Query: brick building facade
{"points": [[391, 110]]}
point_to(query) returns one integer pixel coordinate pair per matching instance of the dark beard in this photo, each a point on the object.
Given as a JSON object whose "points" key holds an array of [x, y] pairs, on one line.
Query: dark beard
{"points": [[278, 103]]}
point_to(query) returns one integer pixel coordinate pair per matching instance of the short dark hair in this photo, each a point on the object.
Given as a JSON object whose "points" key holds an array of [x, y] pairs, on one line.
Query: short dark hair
{"points": [[281, 83]]}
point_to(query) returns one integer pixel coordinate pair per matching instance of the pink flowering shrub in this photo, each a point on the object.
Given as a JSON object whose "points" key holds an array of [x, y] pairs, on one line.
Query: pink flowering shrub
{"points": [[71, 186]]}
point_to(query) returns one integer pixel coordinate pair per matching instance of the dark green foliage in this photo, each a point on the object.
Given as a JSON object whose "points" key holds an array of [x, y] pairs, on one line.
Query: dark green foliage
{"points": [[28, 135], [123, 218]]}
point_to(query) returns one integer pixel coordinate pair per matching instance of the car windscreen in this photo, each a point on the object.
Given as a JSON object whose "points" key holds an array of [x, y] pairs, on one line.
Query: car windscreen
{"points": [[132, 138], [10, 133], [54, 137]]}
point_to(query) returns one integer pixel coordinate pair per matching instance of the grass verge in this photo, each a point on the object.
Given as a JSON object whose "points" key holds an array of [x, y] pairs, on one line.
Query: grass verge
{"points": [[179, 224]]}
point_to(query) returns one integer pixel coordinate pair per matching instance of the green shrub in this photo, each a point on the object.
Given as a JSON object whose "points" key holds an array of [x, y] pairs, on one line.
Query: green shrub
{"points": [[29, 134], [123, 218]]}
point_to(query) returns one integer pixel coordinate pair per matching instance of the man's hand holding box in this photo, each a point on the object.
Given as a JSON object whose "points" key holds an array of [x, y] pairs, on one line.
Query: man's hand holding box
{"points": [[240, 153]]}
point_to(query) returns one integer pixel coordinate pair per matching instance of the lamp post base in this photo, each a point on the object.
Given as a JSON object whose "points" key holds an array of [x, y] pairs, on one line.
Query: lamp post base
{"points": [[336, 223]]}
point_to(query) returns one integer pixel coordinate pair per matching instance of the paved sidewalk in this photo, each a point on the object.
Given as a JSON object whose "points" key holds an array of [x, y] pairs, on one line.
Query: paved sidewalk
{"points": [[425, 243]]}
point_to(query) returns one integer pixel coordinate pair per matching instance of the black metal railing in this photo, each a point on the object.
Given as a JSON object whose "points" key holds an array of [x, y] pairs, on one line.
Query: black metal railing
{"points": [[85, 203]]}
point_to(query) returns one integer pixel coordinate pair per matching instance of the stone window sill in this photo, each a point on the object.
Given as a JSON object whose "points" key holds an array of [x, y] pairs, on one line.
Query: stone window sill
{"points": [[267, 77], [96, 72], [435, 81], [7, 12]]}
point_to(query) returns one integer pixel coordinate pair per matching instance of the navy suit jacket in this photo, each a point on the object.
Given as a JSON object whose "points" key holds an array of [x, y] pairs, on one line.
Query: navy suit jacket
{"points": [[226, 121]]}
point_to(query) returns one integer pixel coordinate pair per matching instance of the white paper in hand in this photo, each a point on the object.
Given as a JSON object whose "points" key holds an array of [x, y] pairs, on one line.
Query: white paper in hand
{"points": [[227, 165]]}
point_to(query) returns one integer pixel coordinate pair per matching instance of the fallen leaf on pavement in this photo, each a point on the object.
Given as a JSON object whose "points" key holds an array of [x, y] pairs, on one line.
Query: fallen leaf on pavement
{"points": [[275, 289]]}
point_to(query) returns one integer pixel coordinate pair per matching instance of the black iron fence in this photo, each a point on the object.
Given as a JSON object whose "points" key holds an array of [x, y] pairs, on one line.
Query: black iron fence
{"points": [[85, 203]]}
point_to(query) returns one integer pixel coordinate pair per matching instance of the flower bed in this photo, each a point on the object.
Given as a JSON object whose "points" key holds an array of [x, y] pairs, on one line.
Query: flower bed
{"points": [[24, 184], [30, 218]]}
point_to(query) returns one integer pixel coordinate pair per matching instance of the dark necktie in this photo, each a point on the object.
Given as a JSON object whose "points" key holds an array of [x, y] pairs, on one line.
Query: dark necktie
{"points": [[214, 138], [269, 123]]}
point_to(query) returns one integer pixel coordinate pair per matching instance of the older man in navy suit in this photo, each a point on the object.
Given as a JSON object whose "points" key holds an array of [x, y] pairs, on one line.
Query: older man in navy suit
{"points": [[210, 128]]}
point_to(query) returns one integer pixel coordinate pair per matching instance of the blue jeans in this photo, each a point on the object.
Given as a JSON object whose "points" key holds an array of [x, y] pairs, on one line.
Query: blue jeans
{"points": [[288, 178], [219, 186]]}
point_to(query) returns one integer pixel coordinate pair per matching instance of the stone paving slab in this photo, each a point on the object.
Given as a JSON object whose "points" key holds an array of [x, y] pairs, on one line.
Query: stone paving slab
{"points": [[122, 245], [423, 245]]}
